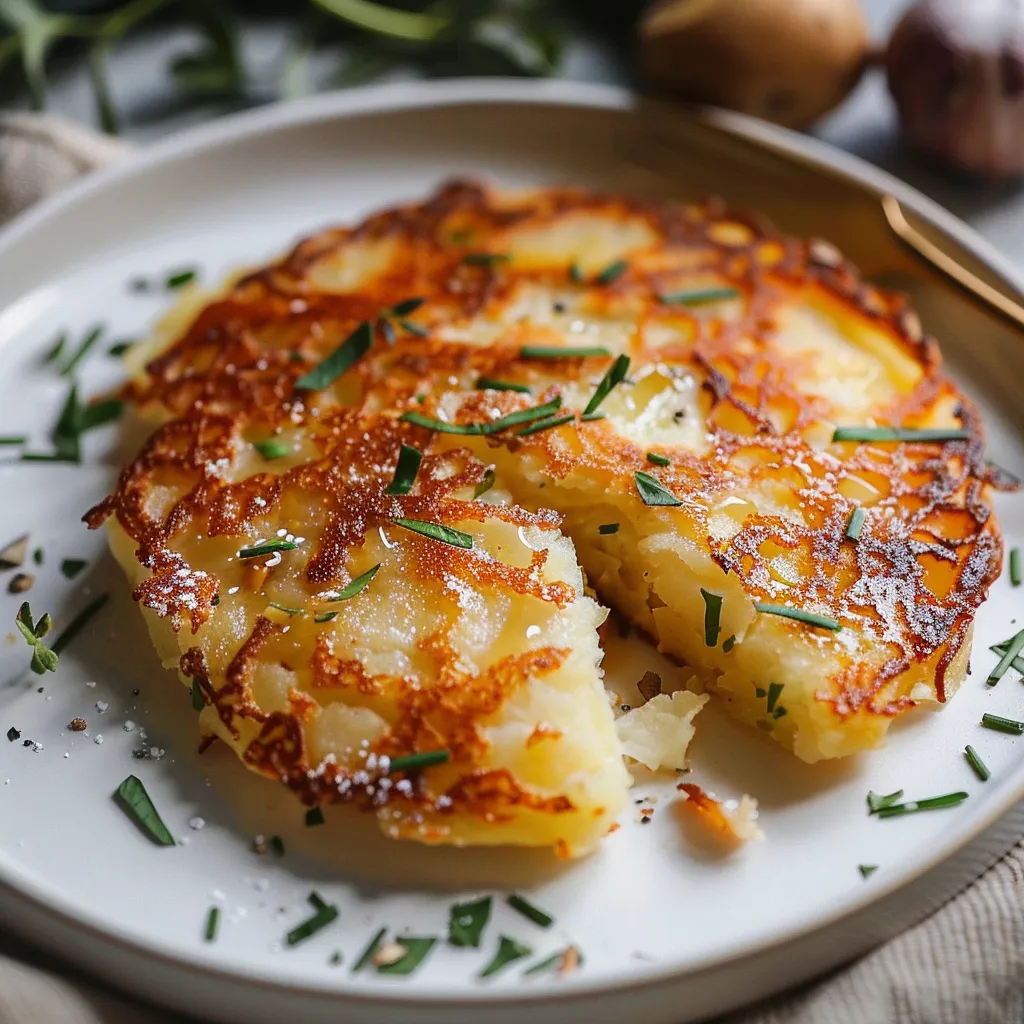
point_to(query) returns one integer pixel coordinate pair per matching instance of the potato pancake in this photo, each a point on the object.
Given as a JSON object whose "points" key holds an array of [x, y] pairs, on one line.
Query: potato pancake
{"points": [[755, 454]]}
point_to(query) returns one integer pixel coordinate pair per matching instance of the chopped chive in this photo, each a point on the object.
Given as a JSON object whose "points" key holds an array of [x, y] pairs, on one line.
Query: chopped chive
{"points": [[314, 816], [799, 615], [406, 306], [57, 349], [325, 617], [615, 375], [267, 548], [1016, 568], [590, 417], [345, 356], [430, 423], [555, 961], [856, 523], [119, 348], [698, 296], [1017, 664], [132, 796], [287, 609], [712, 617], [652, 492], [608, 528], [979, 766], [71, 567], [437, 531], [546, 424], [357, 585], [408, 466], [877, 802], [509, 951], [198, 702], [98, 414], [82, 351], [12, 439], [79, 622], [729, 644], [212, 921], [367, 955], [513, 419], [416, 950], [575, 273], [899, 434], [612, 272], [485, 259], [867, 870], [658, 460], [490, 384], [1000, 724], [325, 914], [485, 485], [1014, 646], [774, 692], [561, 352], [527, 909], [277, 846], [43, 658], [180, 278], [420, 332], [930, 804], [466, 921], [414, 762], [272, 448]]}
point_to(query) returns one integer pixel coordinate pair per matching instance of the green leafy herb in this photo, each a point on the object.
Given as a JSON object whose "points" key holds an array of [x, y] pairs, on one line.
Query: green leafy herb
{"points": [[485, 259], [416, 950], [729, 644], [90, 339], [1000, 724], [119, 348], [415, 762], [774, 692], [930, 804], [485, 485], [979, 766], [43, 658], [198, 701], [267, 548], [784, 611], [325, 914], [698, 296], [562, 352], [272, 448], [615, 374], [528, 910], [658, 460], [346, 355], [867, 870], [1014, 646], [652, 492], [490, 384], [436, 531], [132, 796], [712, 617], [1016, 567], [367, 955], [212, 921], [546, 424], [901, 434], [57, 349], [877, 802], [856, 523], [314, 816], [608, 528], [612, 272], [180, 278], [466, 921], [335, 958], [509, 951], [71, 567], [357, 585]]}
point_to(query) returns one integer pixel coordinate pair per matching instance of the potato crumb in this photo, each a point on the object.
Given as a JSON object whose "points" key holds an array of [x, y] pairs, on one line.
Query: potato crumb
{"points": [[734, 821], [658, 733], [389, 953]]}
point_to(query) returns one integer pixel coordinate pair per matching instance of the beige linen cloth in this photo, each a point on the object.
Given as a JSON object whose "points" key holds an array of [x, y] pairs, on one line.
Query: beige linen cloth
{"points": [[962, 965]]}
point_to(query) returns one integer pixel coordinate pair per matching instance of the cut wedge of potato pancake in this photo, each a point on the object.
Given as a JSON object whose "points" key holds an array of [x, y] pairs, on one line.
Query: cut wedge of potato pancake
{"points": [[755, 454]]}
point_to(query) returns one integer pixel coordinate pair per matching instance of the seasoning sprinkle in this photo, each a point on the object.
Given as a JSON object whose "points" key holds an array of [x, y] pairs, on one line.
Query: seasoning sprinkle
{"points": [[267, 548], [212, 921], [856, 523], [979, 766], [314, 817], [615, 375], [509, 951], [486, 484], [903, 434], [84, 346], [1013, 647], [652, 492], [272, 448], [712, 617], [416, 950], [436, 531], [490, 384], [466, 922], [1000, 724], [1016, 567], [784, 611], [929, 804], [528, 910], [608, 528], [134, 799], [562, 352], [345, 356], [867, 870], [326, 913], [414, 762], [658, 460], [698, 296], [357, 585], [612, 272], [367, 955]]}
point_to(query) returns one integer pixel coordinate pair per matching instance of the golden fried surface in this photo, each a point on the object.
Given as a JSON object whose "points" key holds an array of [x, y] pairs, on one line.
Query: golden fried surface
{"points": [[747, 350]]}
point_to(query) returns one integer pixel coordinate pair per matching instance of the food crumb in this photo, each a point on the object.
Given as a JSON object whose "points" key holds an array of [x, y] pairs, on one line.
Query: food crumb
{"points": [[129, 726], [197, 823], [101, 706], [78, 725]]}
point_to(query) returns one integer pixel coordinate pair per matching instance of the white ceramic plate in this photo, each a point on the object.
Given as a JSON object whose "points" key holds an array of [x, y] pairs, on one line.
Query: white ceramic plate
{"points": [[669, 931]]}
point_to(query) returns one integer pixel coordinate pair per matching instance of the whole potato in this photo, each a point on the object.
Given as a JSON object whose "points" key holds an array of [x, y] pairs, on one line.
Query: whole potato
{"points": [[788, 61]]}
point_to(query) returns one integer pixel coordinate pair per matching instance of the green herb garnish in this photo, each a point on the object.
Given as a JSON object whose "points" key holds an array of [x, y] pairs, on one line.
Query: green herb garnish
{"points": [[729, 644], [367, 955], [408, 466], [561, 352], [98, 414], [325, 616], [527, 909], [930, 804], [37, 556], [575, 273], [485, 485], [198, 701], [856, 523], [509, 951], [82, 351], [212, 921], [314, 817], [799, 615], [79, 622], [346, 355], [272, 448], [774, 692], [43, 658], [180, 278], [268, 547], [466, 922], [546, 424], [899, 434], [132, 796], [652, 492], [357, 585], [442, 427], [877, 802], [1013, 648], [57, 349], [612, 272], [867, 870], [71, 567], [658, 460], [979, 766], [698, 296], [535, 412], [490, 384], [286, 608], [416, 950], [608, 528], [325, 914], [615, 374], [485, 259], [1000, 724], [406, 306], [276, 846], [555, 961], [1016, 567], [414, 762], [12, 439], [436, 531], [119, 348], [712, 617]]}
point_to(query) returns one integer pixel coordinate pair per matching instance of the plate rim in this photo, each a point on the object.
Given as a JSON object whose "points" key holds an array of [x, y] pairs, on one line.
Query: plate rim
{"points": [[392, 97]]}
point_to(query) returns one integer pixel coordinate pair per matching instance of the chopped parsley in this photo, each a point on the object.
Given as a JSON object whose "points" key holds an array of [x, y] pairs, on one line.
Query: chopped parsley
{"points": [[509, 951], [414, 762], [979, 766], [1014, 646], [528, 910], [272, 448], [698, 296], [406, 306], [608, 528], [856, 523], [268, 547], [325, 914], [357, 585], [612, 272], [1000, 724], [345, 356], [712, 617], [901, 434], [212, 921], [43, 658], [785, 612], [416, 950], [134, 799], [436, 531], [314, 816], [652, 492], [466, 921]]}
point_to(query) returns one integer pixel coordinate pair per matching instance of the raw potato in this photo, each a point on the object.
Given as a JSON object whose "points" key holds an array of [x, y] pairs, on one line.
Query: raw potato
{"points": [[789, 62]]}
